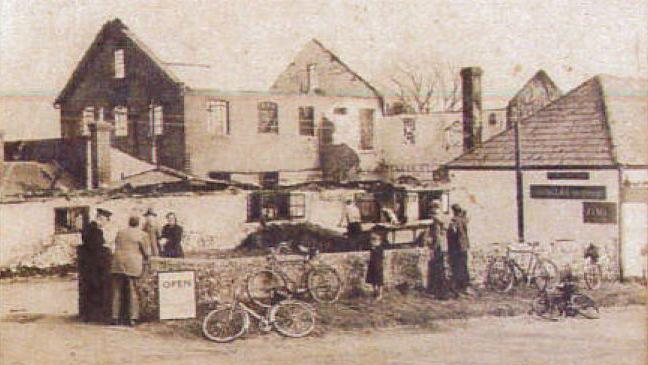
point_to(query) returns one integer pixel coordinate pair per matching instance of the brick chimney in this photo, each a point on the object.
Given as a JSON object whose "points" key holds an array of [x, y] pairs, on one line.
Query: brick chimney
{"points": [[472, 107], [100, 132]]}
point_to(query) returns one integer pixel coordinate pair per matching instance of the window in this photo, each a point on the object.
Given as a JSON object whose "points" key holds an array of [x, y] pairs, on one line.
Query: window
{"points": [[120, 69], [366, 129], [276, 206], [409, 127], [306, 121], [369, 207], [311, 74], [70, 219], [121, 121], [425, 200], [156, 119], [269, 180], [268, 117], [492, 119], [218, 117], [88, 117]]}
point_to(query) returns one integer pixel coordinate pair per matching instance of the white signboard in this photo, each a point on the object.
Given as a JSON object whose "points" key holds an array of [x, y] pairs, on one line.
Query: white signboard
{"points": [[177, 293]]}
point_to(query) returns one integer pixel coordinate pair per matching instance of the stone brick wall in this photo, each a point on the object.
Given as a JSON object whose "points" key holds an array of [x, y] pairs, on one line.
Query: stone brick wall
{"points": [[218, 279]]}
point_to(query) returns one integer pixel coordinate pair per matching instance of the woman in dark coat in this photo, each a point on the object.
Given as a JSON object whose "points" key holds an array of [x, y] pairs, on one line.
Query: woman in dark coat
{"points": [[172, 237], [434, 238], [93, 260], [375, 272], [458, 246]]}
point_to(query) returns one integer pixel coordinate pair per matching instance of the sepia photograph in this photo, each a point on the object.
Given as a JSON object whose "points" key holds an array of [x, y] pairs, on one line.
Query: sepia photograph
{"points": [[321, 182]]}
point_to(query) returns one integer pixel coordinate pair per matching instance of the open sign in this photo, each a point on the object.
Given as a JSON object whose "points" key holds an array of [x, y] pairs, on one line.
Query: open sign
{"points": [[177, 294]]}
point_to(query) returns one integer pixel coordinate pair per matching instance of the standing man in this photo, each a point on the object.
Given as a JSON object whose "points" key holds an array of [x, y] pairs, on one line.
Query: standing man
{"points": [[435, 239], [131, 249], [93, 260], [458, 246], [351, 215], [153, 231]]}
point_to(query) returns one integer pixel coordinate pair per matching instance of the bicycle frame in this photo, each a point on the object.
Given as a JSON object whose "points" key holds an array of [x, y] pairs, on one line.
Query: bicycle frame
{"points": [[533, 259], [295, 286]]}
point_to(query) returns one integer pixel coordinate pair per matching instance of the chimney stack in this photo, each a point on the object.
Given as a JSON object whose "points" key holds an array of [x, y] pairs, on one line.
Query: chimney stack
{"points": [[100, 132], [472, 107]]}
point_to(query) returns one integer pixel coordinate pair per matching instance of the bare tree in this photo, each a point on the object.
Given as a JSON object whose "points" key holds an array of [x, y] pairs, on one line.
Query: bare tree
{"points": [[425, 88]]}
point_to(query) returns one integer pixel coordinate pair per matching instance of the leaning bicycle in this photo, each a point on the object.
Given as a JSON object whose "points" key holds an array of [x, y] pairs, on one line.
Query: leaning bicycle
{"points": [[321, 282], [504, 271], [289, 317], [564, 301]]}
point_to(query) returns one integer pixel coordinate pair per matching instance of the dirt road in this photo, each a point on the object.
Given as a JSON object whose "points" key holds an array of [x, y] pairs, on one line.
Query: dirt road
{"points": [[38, 328]]}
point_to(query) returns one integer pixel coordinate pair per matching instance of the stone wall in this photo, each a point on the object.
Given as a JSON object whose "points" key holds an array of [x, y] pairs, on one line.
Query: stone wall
{"points": [[218, 279]]}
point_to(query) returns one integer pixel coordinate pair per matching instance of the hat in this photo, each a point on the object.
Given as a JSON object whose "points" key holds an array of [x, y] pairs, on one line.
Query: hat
{"points": [[456, 207], [150, 211], [104, 212]]}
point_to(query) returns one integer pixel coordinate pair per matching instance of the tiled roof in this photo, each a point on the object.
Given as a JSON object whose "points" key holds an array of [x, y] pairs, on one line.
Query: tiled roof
{"points": [[572, 131]]}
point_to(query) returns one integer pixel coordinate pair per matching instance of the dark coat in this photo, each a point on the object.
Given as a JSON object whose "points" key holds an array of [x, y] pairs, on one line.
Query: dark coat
{"points": [[458, 234], [131, 248], [375, 274], [173, 245], [93, 263]]}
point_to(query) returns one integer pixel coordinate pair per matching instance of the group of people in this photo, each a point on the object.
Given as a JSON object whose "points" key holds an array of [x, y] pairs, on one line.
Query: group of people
{"points": [[443, 235], [109, 268]]}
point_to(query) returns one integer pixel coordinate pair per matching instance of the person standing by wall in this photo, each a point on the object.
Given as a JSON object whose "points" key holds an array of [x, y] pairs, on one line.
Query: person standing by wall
{"points": [[436, 241], [153, 231], [131, 250], [458, 246], [172, 237], [375, 270], [93, 260]]}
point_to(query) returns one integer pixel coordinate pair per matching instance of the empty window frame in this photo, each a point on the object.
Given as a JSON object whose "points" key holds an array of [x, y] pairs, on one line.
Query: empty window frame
{"points": [[120, 67], [311, 78], [276, 206], [306, 121], [268, 117], [121, 121], [218, 117], [409, 131], [366, 129], [156, 119], [70, 219]]}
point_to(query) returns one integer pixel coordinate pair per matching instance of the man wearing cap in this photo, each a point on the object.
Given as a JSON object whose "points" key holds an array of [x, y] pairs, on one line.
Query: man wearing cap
{"points": [[93, 260], [153, 231], [458, 245], [131, 250]]}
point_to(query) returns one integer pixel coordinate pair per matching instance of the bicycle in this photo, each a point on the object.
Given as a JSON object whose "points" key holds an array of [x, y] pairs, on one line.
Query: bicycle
{"points": [[504, 271], [321, 281], [565, 301], [289, 317]]}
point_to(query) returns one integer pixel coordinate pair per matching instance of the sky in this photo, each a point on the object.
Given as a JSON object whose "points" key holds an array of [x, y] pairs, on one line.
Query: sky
{"points": [[251, 42]]}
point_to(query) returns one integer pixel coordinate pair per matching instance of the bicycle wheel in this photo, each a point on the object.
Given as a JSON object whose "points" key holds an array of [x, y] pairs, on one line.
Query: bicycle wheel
{"points": [[592, 275], [500, 276], [262, 287], [544, 274], [542, 307], [324, 284], [585, 306], [225, 324], [292, 318]]}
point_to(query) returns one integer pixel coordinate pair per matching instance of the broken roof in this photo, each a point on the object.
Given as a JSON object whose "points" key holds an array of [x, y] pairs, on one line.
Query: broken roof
{"points": [[30, 177], [595, 125]]}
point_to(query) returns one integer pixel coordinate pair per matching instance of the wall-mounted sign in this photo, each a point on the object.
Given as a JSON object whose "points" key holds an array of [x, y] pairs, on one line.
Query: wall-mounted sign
{"points": [[598, 212], [568, 175], [568, 192], [177, 293]]}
